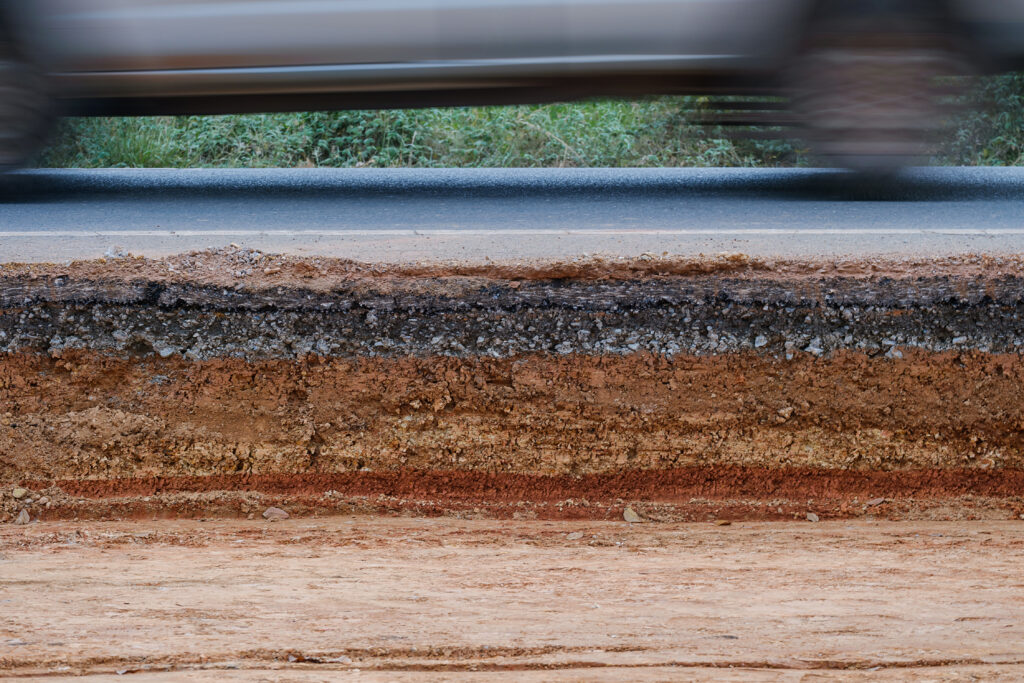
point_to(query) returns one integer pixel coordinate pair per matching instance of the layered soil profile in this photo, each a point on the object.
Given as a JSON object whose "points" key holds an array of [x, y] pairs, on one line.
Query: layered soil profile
{"points": [[218, 383]]}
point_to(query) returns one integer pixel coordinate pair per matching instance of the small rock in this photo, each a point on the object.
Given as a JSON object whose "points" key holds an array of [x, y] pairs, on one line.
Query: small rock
{"points": [[874, 502], [575, 536], [23, 517], [811, 517], [44, 500], [722, 522], [760, 341], [629, 514], [786, 413], [19, 493], [275, 514]]}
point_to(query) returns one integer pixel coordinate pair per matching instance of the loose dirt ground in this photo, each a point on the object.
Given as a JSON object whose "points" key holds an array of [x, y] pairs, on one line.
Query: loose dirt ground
{"points": [[384, 599]]}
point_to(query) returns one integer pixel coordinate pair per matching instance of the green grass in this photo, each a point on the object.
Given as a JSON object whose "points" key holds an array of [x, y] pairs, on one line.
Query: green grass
{"points": [[650, 132], [612, 133]]}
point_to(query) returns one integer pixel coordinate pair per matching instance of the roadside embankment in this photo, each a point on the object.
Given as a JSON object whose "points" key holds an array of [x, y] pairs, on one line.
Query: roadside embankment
{"points": [[216, 383]]}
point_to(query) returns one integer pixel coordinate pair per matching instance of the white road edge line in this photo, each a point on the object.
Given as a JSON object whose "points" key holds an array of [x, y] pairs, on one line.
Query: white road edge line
{"points": [[980, 232]]}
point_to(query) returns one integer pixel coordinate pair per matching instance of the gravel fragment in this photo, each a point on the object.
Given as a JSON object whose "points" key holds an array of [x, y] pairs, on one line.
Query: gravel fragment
{"points": [[275, 514]]}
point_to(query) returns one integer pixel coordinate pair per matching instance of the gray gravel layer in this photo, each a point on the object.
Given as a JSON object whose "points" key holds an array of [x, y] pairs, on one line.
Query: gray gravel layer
{"points": [[696, 315]]}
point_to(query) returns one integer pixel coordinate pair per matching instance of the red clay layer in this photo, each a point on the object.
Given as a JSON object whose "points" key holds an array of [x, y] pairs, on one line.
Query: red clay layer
{"points": [[668, 486]]}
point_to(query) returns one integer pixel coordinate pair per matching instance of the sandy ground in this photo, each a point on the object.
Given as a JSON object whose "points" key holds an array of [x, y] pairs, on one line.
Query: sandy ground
{"points": [[384, 599]]}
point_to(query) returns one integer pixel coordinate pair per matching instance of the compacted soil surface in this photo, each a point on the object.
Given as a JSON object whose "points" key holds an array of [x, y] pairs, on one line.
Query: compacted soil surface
{"points": [[383, 599]]}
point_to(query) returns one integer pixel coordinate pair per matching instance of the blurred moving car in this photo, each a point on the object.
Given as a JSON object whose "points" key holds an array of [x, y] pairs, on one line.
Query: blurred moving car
{"points": [[856, 78]]}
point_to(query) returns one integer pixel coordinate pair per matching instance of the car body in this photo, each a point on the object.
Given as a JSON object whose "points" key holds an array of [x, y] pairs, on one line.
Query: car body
{"points": [[221, 56]]}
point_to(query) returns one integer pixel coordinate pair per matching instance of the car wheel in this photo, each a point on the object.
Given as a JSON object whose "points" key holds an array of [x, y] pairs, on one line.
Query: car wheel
{"points": [[866, 90], [26, 111]]}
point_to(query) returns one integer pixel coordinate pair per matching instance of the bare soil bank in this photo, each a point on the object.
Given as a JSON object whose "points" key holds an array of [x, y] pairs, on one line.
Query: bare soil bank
{"points": [[682, 437], [217, 382]]}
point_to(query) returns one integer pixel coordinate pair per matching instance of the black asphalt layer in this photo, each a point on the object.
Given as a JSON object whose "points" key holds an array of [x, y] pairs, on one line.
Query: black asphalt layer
{"points": [[510, 213]]}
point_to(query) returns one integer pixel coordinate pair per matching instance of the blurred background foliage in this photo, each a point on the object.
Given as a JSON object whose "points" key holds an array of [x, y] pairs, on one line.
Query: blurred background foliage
{"points": [[609, 133]]}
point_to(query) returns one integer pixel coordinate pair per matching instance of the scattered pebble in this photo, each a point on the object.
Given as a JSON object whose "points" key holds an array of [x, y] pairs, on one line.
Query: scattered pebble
{"points": [[629, 514], [23, 517], [874, 502], [575, 536], [722, 522], [19, 493], [275, 514], [811, 517]]}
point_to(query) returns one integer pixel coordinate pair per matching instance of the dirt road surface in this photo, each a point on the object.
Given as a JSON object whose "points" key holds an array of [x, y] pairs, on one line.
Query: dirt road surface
{"points": [[382, 599]]}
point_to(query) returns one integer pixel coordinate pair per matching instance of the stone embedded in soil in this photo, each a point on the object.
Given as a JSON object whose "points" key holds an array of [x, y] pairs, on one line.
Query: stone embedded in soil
{"points": [[574, 536], [811, 517], [23, 517], [19, 493], [629, 514], [275, 514]]}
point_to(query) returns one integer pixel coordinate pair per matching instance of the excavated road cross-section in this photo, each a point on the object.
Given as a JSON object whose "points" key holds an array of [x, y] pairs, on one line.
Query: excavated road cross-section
{"points": [[220, 382]]}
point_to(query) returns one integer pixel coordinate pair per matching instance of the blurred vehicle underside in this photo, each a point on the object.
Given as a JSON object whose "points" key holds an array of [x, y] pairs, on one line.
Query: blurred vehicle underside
{"points": [[861, 81]]}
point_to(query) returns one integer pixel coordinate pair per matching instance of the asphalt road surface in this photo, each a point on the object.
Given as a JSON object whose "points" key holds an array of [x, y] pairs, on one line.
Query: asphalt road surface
{"points": [[407, 215]]}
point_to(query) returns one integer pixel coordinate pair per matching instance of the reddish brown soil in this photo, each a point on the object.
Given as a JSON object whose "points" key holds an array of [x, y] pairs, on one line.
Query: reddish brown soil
{"points": [[692, 494], [673, 486], [757, 436], [93, 416]]}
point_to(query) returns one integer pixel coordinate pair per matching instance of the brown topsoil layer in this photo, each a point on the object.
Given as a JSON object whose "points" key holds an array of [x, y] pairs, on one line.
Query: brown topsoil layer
{"points": [[254, 271], [515, 435]]}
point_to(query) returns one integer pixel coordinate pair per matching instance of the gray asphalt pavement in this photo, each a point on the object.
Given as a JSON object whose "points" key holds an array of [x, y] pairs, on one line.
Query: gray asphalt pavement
{"points": [[404, 215]]}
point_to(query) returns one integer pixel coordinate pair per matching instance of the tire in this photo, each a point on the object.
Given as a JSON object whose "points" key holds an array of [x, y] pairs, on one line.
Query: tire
{"points": [[865, 89], [26, 109]]}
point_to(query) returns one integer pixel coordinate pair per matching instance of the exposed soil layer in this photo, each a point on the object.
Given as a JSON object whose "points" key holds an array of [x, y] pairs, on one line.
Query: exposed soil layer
{"points": [[756, 435], [523, 384], [469, 600], [687, 495]]}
